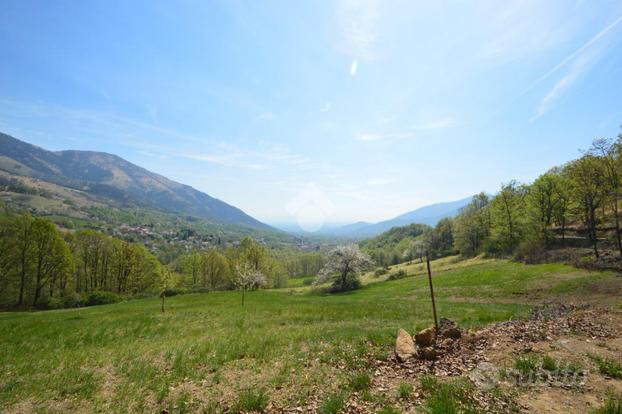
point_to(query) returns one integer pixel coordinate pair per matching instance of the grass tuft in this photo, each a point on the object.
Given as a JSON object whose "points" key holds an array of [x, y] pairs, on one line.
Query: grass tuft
{"points": [[250, 400], [526, 365], [608, 366], [360, 381], [405, 390], [611, 406], [389, 410], [333, 404], [428, 383], [549, 363]]}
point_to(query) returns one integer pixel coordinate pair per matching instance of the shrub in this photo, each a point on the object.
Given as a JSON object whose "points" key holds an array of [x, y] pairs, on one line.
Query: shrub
{"points": [[101, 297], [350, 284], [54, 303], [381, 272], [73, 300], [167, 293], [400, 274], [250, 400]]}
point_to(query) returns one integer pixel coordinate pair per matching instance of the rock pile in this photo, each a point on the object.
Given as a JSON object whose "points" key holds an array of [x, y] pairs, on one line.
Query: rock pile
{"points": [[428, 343]]}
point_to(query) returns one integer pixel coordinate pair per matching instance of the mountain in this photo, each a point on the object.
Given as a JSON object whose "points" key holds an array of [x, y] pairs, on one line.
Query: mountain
{"points": [[108, 180], [429, 215]]}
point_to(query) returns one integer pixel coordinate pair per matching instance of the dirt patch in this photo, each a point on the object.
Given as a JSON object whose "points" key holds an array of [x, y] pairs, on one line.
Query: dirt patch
{"points": [[569, 334]]}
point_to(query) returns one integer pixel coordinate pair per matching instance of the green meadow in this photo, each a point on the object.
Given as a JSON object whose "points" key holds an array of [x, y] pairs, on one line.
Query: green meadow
{"points": [[207, 352]]}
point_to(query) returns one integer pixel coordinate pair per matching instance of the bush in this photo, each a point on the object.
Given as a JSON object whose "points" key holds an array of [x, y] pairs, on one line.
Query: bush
{"points": [[350, 284], [102, 297], [400, 274], [73, 300], [167, 293], [54, 303], [381, 272]]}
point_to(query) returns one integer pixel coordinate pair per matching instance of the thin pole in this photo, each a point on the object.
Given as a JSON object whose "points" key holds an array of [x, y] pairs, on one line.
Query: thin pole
{"points": [[427, 259]]}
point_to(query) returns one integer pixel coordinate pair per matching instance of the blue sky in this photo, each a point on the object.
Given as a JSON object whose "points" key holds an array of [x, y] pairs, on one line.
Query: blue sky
{"points": [[377, 106]]}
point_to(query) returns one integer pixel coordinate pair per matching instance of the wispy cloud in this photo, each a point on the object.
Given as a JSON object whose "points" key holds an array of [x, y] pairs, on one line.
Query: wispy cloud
{"points": [[579, 62], [382, 181], [358, 24], [266, 116], [327, 107], [411, 132], [226, 161], [580, 50]]}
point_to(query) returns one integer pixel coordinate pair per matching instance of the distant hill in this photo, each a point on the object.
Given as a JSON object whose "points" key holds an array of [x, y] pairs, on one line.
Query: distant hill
{"points": [[429, 215], [108, 180]]}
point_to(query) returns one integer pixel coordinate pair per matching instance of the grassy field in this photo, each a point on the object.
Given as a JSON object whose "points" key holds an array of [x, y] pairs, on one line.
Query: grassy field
{"points": [[207, 352]]}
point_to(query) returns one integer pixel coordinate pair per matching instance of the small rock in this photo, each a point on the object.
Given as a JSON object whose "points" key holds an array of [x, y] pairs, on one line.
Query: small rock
{"points": [[404, 346], [426, 337]]}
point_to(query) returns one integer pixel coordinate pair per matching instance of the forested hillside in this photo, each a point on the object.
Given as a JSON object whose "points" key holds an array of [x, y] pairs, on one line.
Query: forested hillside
{"points": [[575, 206]]}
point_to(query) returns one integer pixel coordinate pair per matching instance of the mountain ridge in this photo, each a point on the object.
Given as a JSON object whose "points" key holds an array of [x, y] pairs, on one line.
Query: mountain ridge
{"points": [[429, 214], [111, 177]]}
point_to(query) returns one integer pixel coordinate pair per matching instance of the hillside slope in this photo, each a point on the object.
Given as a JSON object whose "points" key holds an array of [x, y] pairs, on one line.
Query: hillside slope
{"points": [[116, 181]]}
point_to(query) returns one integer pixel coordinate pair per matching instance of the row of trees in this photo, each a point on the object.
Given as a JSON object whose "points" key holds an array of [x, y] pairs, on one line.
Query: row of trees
{"points": [[579, 199], [248, 265], [39, 264]]}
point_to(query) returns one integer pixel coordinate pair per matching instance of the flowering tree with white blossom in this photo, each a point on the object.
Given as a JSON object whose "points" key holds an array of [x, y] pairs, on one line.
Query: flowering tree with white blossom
{"points": [[343, 267]]}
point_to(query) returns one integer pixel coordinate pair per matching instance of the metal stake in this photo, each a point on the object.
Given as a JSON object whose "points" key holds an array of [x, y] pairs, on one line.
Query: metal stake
{"points": [[427, 259]]}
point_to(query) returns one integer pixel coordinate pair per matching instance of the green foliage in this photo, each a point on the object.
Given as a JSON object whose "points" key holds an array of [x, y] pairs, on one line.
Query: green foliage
{"points": [[396, 245], [472, 226], [400, 274], [102, 298]]}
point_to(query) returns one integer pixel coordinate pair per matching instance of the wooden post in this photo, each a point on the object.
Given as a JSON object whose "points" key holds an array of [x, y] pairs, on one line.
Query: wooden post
{"points": [[427, 259]]}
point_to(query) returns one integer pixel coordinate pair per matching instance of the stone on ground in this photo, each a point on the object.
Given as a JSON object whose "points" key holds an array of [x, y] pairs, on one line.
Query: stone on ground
{"points": [[425, 338], [404, 346]]}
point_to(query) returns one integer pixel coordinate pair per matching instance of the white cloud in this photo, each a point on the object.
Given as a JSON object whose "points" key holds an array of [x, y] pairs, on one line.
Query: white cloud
{"points": [[327, 107]]}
